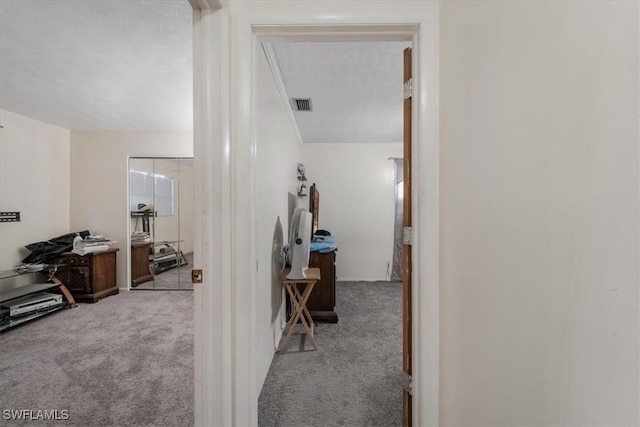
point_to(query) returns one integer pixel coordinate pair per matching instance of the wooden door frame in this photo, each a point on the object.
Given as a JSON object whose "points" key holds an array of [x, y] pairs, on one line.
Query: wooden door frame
{"points": [[223, 322], [407, 168]]}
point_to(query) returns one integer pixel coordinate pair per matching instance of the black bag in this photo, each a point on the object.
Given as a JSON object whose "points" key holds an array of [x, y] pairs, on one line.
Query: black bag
{"points": [[47, 252]]}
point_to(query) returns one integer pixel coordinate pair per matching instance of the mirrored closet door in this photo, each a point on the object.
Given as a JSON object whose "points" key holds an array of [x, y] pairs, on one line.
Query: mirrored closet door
{"points": [[162, 226]]}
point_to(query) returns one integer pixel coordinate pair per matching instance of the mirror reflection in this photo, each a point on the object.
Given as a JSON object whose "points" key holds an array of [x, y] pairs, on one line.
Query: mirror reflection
{"points": [[162, 226]]}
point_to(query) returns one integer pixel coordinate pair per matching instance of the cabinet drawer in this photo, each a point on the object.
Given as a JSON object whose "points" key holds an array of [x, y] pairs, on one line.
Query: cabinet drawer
{"points": [[77, 261]]}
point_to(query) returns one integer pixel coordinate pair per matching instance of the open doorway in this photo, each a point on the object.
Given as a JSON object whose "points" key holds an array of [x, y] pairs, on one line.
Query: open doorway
{"points": [[345, 145], [237, 392]]}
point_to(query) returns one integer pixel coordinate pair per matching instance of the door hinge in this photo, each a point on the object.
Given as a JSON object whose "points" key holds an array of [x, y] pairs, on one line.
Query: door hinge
{"points": [[408, 89], [407, 236], [407, 382], [196, 276]]}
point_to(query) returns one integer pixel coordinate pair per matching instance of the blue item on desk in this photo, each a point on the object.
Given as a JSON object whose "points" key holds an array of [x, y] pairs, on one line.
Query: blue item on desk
{"points": [[322, 244]]}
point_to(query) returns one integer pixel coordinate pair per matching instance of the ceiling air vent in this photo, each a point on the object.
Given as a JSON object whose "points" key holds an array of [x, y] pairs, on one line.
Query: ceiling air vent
{"points": [[301, 104]]}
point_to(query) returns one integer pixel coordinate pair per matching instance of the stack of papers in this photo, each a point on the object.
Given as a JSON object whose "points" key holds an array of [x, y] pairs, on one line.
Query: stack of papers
{"points": [[140, 237], [92, 244]]}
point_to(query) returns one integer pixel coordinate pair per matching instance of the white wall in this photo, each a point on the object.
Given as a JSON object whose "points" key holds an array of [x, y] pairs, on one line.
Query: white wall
{"points": [[278, 153], [99, 173], [187, 206], [539, 215], [34, 180], [356, 185]]}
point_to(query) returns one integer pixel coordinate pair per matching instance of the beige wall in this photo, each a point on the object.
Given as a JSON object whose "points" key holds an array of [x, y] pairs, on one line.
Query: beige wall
{"points": [[539, 215], [278, 153], [34, 180], [99, 173], [356, 185]]}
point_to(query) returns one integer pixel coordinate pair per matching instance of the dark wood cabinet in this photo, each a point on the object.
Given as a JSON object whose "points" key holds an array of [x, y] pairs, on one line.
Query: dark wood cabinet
{"points": [[141, 270], [322, 301], [88, 277]]}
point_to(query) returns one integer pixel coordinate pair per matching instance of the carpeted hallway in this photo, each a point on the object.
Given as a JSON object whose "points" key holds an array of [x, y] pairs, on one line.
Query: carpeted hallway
{"points": [[355, 376]]}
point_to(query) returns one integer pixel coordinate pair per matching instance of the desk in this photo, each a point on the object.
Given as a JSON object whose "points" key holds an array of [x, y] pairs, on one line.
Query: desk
{"points": [[299, 301]]}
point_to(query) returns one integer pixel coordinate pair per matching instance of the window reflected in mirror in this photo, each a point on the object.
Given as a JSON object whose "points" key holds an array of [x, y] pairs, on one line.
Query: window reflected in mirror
{"points": [[161, 204]]}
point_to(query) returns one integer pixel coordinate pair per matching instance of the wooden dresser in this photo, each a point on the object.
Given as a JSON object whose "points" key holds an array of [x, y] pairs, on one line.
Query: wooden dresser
{"points": [[141, 270], [322, 301], [88, 277]]}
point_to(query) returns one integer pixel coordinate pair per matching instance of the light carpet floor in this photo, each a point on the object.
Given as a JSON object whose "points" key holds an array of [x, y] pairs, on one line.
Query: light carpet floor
{"points": [[355, 376], [126, 360]]}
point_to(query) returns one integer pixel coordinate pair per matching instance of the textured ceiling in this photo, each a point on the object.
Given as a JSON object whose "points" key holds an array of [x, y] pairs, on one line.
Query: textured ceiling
{"points": [[98, 64], [355, 88], [127, 64]]}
